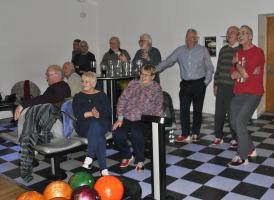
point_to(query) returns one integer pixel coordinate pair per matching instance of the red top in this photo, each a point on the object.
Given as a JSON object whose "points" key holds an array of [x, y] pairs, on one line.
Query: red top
{"points": [[254, 66]]}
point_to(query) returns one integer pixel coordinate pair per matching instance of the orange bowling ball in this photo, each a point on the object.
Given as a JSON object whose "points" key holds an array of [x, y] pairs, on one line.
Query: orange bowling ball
{"points": [[31, 195], [109, 188], [57, 189], [59, 198]]}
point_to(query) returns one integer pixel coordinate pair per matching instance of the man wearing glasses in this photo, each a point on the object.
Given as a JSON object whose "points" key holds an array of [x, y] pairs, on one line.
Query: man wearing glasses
{"points": [[57, 91], [147, 54]]}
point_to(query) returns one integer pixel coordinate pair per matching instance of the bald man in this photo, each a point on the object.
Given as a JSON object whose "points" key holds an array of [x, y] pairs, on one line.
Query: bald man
{"points": [[57, 91], [72, 78]]}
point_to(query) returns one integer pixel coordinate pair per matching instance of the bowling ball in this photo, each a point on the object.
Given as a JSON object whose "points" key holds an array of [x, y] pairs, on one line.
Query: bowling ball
{"points": [[81, 178], [59, 198], [109, 188], [57, 189], [85, 193], [31, 195]]}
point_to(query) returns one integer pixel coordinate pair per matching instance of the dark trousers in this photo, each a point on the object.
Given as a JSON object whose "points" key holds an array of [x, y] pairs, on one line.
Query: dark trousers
{"points": [[222, 109], [135, 132], [192, 91], [97, 142], [241, 110]]}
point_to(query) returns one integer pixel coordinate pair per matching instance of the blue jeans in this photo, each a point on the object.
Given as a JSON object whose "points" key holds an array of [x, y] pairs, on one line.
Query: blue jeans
{"points": [[135, 132], [97, 142]]}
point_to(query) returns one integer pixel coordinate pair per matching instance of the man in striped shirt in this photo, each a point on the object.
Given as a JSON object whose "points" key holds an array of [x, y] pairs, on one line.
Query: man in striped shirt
{"points": [[223, 86]]}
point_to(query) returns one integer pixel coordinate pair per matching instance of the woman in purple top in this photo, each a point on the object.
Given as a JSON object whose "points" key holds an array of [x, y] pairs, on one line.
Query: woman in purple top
{"points": [[141, 97]]}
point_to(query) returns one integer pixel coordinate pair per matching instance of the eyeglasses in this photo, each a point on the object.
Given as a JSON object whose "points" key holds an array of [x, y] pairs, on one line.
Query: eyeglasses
{"points": [[49, 75], [145, 75]]}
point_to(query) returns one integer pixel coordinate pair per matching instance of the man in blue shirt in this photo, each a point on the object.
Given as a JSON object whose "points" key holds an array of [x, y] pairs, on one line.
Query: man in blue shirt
{"points": [[196, 70]]}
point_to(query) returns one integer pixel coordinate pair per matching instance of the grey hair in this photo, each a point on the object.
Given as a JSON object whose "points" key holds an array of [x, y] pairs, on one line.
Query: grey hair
{"points": [[146, 35], [57, 69], [191, 30], [69, 64]]}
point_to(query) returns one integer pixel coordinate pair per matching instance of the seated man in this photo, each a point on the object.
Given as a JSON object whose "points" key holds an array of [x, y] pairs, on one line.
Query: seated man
{"points": [[57, 91], [72, 78], [141, 97], [42, 113]]}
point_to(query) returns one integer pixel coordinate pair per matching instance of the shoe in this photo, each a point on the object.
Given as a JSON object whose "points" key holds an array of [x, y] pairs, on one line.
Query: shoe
{"points": [[217, 141], [88, 161], [182, 138], [233, 144], [237, 162], [126, 162], [140, 167], [252, 153], [195, 138], [105, 172]]}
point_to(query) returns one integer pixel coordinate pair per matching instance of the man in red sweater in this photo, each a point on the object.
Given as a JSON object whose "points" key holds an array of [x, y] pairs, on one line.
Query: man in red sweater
{"points": [[247, 73]]}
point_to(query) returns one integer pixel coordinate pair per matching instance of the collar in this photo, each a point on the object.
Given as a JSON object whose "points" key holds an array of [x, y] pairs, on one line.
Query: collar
{"points": [[236, 44]]}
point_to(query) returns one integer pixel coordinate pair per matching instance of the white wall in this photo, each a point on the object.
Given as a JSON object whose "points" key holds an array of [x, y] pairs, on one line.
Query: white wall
{"points": [[36, 33], [167, 22]]}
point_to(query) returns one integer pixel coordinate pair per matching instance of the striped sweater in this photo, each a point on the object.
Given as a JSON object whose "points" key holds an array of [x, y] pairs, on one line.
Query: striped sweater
{"points": [[137, 100], [222, 74]]}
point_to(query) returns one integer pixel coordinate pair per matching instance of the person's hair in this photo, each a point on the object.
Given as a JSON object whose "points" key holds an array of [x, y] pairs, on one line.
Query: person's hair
{"points": [[248, 28], [91, 76], [146, 35], [149, 68], [234, 27], [114, 38], [191, 30], [77, 40], [57, 69], [83, 42], [68, 63]]}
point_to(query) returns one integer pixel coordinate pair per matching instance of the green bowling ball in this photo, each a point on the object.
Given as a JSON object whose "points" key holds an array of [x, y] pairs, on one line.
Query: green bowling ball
{"points": [[81, 178]]}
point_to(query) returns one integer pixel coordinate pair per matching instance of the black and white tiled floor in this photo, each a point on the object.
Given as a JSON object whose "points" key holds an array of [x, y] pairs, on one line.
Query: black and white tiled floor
{"points": [[194, 170]]}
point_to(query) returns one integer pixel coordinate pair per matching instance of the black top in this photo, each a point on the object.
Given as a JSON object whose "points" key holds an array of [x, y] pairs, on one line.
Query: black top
{"points": [[85, 102], [55, 93], [82, 62]]}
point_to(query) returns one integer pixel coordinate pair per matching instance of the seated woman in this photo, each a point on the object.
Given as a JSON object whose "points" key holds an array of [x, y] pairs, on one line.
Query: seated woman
{"points": [[141, 97], [93, 113]]}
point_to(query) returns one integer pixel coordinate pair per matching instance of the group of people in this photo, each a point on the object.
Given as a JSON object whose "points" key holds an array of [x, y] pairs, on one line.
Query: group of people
{"points": [[238, 86]]}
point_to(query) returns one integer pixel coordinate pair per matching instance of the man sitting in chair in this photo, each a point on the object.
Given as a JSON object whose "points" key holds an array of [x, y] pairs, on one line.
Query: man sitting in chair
{"points": [[57, 91], [42, 113]]}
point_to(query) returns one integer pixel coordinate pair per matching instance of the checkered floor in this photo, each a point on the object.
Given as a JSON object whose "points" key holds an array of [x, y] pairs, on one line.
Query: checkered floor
{"points": [[194, 170]]}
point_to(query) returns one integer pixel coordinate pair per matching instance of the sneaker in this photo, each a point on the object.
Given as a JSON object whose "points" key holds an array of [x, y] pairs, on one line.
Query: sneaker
{"points": [[233, 144], [252, 153], [182, 138], [140, 167], [195, 138], [88, 161], [217, 141], [105, 172], [237, 162], [126, 162]]}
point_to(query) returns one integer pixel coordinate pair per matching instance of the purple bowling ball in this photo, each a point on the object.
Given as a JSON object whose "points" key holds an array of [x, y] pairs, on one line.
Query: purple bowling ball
{"points": [[85, 193]]}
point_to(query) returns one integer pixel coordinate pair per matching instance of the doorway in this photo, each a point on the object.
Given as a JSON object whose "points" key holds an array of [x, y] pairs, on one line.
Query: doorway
{"points": [[269, 89]]}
